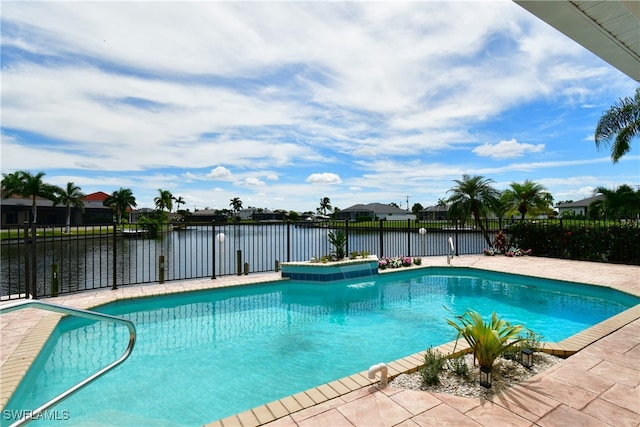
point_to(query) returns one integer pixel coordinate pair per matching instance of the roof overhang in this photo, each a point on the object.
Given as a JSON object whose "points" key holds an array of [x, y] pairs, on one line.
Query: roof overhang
{"points": [[609, 28]]}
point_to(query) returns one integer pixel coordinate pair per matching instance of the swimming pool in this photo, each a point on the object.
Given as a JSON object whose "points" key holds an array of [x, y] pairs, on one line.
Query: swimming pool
{"points": [[205, 355]]}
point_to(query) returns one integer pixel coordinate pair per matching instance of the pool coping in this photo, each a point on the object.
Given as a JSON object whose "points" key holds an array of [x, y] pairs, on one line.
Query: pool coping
{"points": [[16, 363]]}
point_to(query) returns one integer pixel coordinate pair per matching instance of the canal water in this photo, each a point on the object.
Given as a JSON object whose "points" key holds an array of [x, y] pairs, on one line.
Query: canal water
{"points": [[198, 251]]}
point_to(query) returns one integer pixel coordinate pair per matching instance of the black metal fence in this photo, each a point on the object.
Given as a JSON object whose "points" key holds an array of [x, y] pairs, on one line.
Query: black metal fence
{"points": [[40, 261], [104, 256]]}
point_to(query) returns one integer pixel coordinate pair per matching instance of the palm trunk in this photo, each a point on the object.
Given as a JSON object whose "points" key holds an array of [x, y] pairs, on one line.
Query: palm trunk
{"points": [[67, 229], [34, 210], [476, 216]]}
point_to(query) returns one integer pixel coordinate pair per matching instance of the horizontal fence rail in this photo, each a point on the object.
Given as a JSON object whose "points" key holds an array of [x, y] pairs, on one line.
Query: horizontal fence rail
{"points": [[42, 261]]}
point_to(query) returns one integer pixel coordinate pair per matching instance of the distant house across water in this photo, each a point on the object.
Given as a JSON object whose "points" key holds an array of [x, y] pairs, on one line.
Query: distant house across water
{"points": [[16, 211], [432, 213], [375, 211]]}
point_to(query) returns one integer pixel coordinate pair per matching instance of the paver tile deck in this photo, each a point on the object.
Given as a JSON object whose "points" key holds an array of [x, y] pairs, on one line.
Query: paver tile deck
{"points": [[599, 385]]}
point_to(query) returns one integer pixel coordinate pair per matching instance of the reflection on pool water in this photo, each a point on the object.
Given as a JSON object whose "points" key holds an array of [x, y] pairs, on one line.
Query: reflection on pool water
{"points": [[205, 355]]}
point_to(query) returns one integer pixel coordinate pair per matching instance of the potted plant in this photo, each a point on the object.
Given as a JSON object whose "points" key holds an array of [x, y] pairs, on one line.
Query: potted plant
{"points": [[488, 340]]}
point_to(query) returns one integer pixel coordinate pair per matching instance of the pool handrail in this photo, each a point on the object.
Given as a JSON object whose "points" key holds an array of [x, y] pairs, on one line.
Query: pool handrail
{"points": [[29, 415]]}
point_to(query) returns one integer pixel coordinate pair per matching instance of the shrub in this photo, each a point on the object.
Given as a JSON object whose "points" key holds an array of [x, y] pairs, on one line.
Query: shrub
{"points": [[433, 364], [500, 242], [615, 242], [531, 341], [488, 340], [459, 367]]}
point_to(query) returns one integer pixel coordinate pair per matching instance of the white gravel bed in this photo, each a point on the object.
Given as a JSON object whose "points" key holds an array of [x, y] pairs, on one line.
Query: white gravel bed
{"points": [[505, 373]]}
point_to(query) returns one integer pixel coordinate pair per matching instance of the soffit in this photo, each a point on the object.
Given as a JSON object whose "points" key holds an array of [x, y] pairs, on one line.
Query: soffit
{"points": [[609, 29]]}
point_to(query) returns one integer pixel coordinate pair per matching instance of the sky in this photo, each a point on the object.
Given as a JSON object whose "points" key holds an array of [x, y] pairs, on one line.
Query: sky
{"points": [[284, 103]]}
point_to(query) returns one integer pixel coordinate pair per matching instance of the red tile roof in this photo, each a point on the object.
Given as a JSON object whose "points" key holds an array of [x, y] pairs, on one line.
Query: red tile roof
{"points": [[96, 197]]}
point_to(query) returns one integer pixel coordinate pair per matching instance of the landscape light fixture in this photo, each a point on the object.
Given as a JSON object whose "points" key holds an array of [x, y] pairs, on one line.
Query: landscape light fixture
{"points": [[485, 377], [527, 358]]}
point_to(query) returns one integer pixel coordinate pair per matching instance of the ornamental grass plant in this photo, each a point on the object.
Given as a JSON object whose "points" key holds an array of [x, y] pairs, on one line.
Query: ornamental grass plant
{"points": [[488, 340]]}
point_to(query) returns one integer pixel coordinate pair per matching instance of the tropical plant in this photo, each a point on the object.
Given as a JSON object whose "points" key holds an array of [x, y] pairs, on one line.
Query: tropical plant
{"points": [[179, 201], [526, 197], [152, 222], [473, 196], [620, 124], [622, 202], [416, 208], [163, 201], [338, 240], [236, 204], [500, 242], [120, 201], [70, 197], [325, 205], [488, 340], [26, 184]]}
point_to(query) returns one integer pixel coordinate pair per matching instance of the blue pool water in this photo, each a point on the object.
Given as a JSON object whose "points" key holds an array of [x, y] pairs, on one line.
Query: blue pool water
{"points": [[206, 355]]}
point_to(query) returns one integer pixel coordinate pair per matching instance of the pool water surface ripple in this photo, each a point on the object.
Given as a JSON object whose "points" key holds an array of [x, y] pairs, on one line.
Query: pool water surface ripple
{"points": [[206, 355]]}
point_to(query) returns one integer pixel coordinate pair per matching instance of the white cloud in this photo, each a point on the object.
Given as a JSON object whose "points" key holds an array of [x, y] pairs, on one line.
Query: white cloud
{"points": [[389, 94], [324, 178], [507, 149], [253, 181], [220, 173]]}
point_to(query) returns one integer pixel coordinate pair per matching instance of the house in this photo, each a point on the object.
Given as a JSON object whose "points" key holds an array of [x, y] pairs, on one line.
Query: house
{"points": [[16, 211], [577, 208], [95, 212], [375, 211], [438, 212], [267, 215]]}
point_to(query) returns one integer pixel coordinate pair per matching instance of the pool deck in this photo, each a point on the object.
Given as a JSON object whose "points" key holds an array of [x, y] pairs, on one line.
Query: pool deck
{"points": [[599, 384]]}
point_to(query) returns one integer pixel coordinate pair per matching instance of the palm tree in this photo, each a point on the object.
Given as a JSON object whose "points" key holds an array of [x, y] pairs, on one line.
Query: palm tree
{"points": [[164, 200], [325, 205], [622, 122], [473, 196], [71, 197], [236, 204], [179, 201], [526, 197], [26, 184], [120, 201], [619, 203]]}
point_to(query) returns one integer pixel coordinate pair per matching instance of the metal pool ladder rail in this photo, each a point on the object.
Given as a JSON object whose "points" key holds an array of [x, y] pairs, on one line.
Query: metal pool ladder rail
{"points": [[28, 415]]}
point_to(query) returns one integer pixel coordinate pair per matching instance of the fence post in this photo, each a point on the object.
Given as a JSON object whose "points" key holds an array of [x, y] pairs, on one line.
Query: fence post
{"points": [[54, 280], [34, 267], [161, 269], [27, 257], [346, 232], [213, 249], [381, 240], [239, 261], [288, 242], [561, 239], [408, 237], [456, 234], [115, 256]]}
